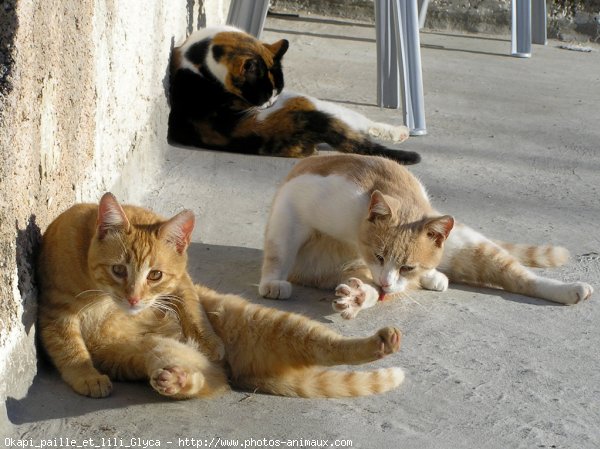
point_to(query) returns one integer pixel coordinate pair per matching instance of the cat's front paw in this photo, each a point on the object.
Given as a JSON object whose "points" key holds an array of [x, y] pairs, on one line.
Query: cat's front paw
{"points": [[275, 289], [94, 386], [354, 296], [389, 341], [578, 291], [434, 280], [171, 381]]}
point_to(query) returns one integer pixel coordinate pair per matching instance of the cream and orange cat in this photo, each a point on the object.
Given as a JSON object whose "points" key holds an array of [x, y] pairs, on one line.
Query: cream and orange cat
{"points": [[116, 302], [365, 225]]}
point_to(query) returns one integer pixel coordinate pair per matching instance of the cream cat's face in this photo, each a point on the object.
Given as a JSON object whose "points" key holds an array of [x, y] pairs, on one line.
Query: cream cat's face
{"points": [[399, 254], [138, 265]]}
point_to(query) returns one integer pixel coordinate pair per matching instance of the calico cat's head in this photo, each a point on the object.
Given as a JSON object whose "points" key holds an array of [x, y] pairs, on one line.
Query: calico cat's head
{"points": [[138, 258], [245, 66], [397, 253]]}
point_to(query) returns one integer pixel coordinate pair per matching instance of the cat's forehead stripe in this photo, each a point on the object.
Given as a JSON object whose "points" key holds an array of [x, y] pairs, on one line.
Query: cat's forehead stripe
{"points": [[141, 247], [238, 44]]}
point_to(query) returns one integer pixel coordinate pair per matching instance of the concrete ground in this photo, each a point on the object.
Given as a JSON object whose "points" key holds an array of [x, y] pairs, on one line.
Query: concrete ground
{"points": [[513, 150]]}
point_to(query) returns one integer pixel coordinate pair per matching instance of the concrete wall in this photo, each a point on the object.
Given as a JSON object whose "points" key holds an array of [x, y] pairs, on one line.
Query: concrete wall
{"points": [[83, 110]]}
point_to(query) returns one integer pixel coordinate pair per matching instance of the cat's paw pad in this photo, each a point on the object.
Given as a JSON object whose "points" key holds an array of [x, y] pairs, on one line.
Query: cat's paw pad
{"points": [[169, 381], [387, 132], [579, 291], [354, 295], [389, 339], [399, 134], [275, 289], [95, 386], [435, 281]]}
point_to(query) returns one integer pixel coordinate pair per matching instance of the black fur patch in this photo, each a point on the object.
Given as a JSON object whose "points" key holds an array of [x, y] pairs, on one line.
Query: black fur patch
{"points": [[205, 113], [218, 52], [197, 52]]}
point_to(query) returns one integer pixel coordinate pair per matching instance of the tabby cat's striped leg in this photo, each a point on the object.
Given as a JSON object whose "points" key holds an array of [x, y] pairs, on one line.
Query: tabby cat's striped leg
{"points": [[301, 341], [64, 343], [471, 258], [195, 323]]}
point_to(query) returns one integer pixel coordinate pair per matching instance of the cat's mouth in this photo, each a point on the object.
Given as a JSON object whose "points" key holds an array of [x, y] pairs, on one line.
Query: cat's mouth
{"points": [[131, 309], [397, 288], [269, 103]]}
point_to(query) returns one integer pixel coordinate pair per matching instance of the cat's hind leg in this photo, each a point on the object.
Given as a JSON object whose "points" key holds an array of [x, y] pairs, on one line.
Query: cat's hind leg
{"points": [[284, 236], [180, 370], [292, 340], [471, 258], [360, 123], [392, 133]]}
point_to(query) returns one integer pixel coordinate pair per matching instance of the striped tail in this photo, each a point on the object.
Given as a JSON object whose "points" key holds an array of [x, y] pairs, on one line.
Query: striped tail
{"points": [[544, 256], [322, 383]]}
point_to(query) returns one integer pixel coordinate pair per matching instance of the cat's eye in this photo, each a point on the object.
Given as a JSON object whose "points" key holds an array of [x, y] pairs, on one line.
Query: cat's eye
{"points": [[379, 258], [406, 269], [119, 271], [154, 275], [251, 66]]}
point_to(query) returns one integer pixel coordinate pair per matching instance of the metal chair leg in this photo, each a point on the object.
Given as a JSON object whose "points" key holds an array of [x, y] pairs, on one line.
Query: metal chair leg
{"points": [[423, 5], [248, 15], [521, 28], [399, 61], [538, 22]]}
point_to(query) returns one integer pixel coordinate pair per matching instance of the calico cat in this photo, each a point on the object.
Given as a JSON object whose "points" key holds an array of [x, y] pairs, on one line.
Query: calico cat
{"points": [[227, 94], [116, 302], [365, 225]]}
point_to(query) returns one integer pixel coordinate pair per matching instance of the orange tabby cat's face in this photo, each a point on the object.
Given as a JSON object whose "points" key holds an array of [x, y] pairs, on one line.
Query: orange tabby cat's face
{"points": [[138, 264], [398, 254]]}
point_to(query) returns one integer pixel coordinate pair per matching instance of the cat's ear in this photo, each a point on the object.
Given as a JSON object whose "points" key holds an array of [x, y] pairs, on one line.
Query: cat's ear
{"points": [[110, 216], [178, 230], [438, 228], [278, 48], [378, 207]]}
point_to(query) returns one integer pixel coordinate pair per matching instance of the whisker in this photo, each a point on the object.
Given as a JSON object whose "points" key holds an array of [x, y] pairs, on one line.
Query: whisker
{"points": [[89, 291], [406, 295]]}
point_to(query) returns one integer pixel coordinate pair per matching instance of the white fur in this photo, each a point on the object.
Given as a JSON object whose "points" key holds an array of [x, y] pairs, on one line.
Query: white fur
{"points": [[353, 119], [218, 70], [331, 205], [434, 280], [348, 304]]}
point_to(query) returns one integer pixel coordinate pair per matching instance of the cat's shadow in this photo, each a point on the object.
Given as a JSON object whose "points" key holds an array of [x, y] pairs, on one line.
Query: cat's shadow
{"points": [[507, 296], [232, 269], [49, 397]]}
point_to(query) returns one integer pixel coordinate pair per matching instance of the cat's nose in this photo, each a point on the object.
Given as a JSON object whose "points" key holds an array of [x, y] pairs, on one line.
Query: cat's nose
{"points": [[133, 300]]}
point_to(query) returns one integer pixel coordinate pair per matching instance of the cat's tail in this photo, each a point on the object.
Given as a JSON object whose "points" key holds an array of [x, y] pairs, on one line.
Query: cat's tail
{"points": [[368, 147], [324, 383], [544, 256]]}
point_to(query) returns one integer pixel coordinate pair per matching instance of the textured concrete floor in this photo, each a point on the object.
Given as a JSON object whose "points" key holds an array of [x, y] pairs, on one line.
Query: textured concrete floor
{"points": [[513, 150]]}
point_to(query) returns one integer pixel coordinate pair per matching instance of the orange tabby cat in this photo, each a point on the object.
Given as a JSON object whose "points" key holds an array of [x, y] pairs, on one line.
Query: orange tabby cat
{"points": [[116, 302]]}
